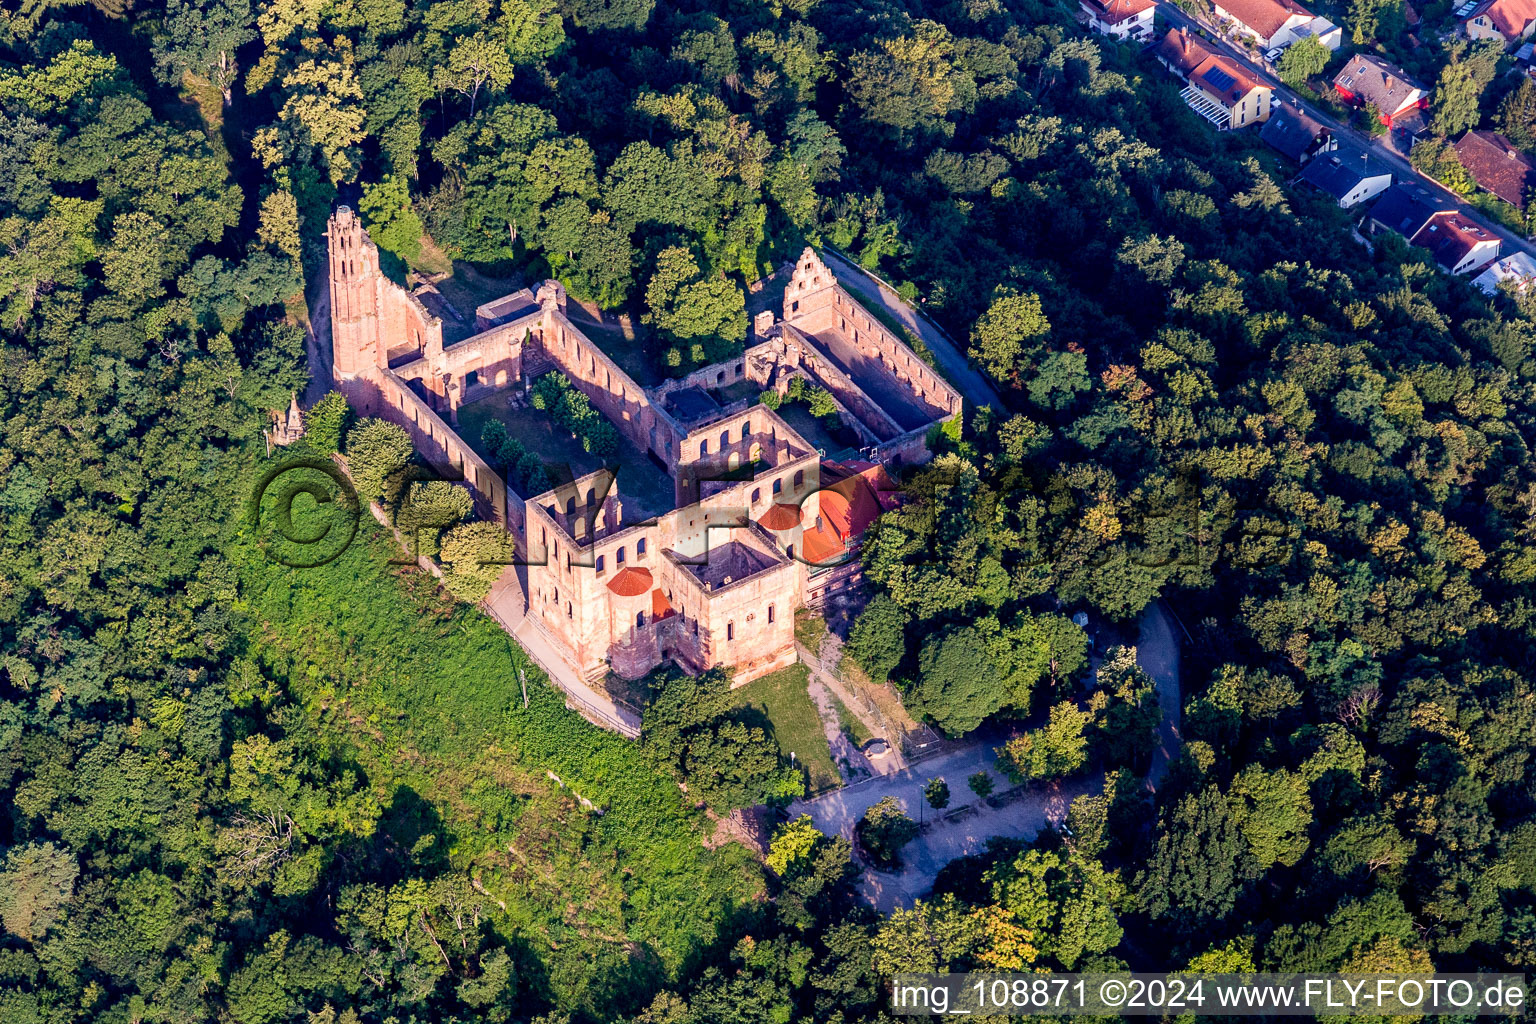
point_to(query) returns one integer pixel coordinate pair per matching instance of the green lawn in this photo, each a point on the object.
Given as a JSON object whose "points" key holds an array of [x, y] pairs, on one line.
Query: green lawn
{"points": [[796, 723]]}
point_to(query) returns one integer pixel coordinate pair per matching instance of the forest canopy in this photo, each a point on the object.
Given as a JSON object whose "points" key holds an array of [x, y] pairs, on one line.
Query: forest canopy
{"points": [[245, 791]]}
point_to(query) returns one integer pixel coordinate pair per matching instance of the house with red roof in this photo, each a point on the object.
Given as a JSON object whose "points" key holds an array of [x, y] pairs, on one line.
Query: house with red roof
{"points": [[1219, 89], [1498, 166], [1365, 79], [1510, 22], [1277, 22], [1122, 19], [1457, 244]]}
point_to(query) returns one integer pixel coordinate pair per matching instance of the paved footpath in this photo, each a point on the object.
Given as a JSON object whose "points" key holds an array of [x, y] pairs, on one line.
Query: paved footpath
{"points": [[507, 604], [1025, 813]]}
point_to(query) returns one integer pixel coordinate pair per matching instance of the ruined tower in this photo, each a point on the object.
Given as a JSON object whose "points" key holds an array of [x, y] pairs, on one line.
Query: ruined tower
{"points": [[355, 280]]}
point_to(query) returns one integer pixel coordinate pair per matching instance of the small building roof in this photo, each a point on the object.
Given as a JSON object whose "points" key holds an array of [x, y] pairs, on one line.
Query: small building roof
{"points": [[690, 404], [1517, 267], [631, 581], [822, 546], [1264, 17], [1450, 237], [1508, 17], [1339, 173], [1497, 165], [1373, 80], [1318, 27], [1113, 12], [1292, 131], [1406, 207]]}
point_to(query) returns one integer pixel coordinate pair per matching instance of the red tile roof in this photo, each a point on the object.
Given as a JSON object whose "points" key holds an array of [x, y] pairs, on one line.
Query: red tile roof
{"points": [[1113, 12], [1182, 51], [822, 546], [1509, 17], [850, 505], [1450, 237], [630, 582], [1497, 165], [1373, 80], [661, 608], [1264, 17], [780, 517]]}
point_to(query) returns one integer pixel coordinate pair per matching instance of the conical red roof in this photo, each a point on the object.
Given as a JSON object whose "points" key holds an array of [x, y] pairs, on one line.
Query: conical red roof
{"points": [[780, 517], [630, 582]]}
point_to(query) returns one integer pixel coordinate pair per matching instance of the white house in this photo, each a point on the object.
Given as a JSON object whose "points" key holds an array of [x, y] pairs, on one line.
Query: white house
{"points": [[1516, 268], [1276, 22], [1122, 19], [1348, 174]]}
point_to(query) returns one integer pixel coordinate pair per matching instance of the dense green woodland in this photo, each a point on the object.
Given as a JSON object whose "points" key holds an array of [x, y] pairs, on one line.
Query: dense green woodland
{"points": [[243, 792]]}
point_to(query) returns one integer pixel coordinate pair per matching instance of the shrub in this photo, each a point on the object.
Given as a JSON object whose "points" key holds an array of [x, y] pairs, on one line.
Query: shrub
{"points": [[429, 507], [878, 638], [884, 830], [326, 423], [473, 556], [572, 411], [937, 794], [793, 844], [821, 403], [1057, 749], [376, 451], [722, 752]]}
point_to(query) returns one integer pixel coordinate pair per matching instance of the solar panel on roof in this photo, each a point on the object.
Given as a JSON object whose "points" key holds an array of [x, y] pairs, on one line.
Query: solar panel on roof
{"points": [[1220, 79]]}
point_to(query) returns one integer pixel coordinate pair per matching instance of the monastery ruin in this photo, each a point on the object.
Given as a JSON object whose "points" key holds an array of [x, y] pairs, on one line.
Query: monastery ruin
{"points": [[758, 523]]}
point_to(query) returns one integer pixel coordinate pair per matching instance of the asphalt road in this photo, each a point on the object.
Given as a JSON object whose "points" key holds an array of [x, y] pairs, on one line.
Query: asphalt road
{"points": [[1402, 170]]}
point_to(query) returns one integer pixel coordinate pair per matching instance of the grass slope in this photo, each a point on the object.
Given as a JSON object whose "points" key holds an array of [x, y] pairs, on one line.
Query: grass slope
{"points": [[426, 696], [796, 722]]}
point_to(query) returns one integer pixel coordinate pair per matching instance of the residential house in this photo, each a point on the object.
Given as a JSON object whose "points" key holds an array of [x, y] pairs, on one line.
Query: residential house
{"points": [[1497, 165], [1296, 133], [1517, 268], [1220, 90], [1350, 175], [1273, 23], [1458, 244], [1123, 19], [1511, 22], [1181, 52], [1366, 79], [1405, 208]]}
